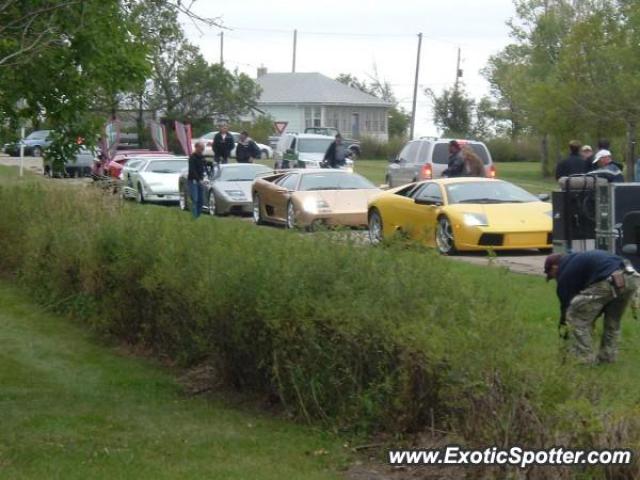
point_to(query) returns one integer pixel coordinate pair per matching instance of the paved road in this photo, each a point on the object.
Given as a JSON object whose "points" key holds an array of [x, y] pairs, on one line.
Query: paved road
{"points": [[527, 262]]}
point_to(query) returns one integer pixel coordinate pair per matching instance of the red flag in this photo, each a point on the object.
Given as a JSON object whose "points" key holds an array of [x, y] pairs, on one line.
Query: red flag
{"points": [[110, 138], [183, 132], [159, 136]]}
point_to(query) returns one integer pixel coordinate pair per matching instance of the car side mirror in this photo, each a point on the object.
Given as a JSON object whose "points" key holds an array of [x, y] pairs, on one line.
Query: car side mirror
{"points": [[425, 201], [544, 197]]}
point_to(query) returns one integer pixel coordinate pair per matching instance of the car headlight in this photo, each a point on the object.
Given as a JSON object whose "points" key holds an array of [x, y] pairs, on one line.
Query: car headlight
{"points": [[475, 220], [314, 205], [238, 194]]}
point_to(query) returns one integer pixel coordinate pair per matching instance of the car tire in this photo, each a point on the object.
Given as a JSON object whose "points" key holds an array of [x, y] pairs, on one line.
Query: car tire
{"points": [[213, 204], [291, 216], [183, 202], [445, 240], [376, 232], [139, 194], [257, 210], [36, 151]]}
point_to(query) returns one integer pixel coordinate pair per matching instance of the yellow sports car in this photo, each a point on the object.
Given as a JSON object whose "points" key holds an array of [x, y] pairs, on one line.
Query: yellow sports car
{"points": [[463, 214]]}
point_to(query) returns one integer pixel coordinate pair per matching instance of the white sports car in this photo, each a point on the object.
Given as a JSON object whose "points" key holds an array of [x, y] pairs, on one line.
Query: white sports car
{"points": [[153, 179]]}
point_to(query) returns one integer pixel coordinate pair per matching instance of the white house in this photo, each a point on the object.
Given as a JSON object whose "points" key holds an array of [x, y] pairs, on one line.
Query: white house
{"points": [[314, 100]]}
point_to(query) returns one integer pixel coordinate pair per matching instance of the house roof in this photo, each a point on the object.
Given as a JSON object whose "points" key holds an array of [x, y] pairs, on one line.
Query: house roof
{"points": [[311, 88]]}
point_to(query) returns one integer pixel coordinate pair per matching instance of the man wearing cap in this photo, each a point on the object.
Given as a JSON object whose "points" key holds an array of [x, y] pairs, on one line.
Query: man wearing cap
{"points": [[589, 284], [586, 152], [456, 161], [607, 168], [573, 164]]}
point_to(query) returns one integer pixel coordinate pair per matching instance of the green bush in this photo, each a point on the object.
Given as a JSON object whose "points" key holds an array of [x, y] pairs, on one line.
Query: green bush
{"points": [[366, 339]]}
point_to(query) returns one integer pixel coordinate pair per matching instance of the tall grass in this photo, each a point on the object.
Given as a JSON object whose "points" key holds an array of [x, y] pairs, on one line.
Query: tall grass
{"points": [[356, 338]]}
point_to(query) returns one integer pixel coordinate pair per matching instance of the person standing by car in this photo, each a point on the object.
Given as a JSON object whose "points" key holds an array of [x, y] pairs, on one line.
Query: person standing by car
{"points": [[336, 154], [455, 167], [574, 164], [195, 178], [589, 284], [246, 150], [473, 166], [222, 145]]}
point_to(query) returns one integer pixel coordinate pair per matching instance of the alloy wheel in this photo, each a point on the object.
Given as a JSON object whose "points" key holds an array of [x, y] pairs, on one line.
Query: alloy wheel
{"points": [[375, 228], [444, 237]]}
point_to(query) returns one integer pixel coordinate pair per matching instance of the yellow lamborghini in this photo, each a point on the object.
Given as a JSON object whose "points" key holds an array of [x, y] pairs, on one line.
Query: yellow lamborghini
{"points": [[455, 214]]}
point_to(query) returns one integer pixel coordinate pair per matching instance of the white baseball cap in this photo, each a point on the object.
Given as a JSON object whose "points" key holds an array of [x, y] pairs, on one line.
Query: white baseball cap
{"points": [[601, 154]]}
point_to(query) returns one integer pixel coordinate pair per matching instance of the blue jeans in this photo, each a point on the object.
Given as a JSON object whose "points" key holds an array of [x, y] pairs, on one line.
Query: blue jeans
{"points": [[196, 192]]}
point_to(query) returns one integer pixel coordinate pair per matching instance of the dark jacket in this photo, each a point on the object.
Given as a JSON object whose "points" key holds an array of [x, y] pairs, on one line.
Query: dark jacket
{"points": [[196, 167], [331, 156], [222, 147], [578, 271], [245, 152], [612, 172], [572, 165], [455, 167]]}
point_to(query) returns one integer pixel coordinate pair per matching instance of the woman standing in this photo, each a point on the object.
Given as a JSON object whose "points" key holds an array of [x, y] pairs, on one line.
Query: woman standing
{"points": [[473, 166]]}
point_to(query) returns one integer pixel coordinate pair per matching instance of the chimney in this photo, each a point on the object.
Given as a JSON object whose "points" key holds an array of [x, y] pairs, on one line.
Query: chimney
{"points": [[262, 70]]}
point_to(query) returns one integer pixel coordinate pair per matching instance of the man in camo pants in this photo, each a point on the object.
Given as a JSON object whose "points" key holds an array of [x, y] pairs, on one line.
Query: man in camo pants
{"points": [[590, 284]]}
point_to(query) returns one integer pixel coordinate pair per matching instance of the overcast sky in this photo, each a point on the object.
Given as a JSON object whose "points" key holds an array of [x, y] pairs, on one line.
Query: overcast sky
{"points": [[357, 36]]}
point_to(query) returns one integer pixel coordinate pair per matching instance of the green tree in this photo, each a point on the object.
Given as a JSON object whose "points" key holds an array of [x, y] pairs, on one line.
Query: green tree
{"points": [[453, 111]]}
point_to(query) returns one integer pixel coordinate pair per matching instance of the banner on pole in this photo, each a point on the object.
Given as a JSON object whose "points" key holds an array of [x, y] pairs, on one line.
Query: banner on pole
{"points": [[110, 138], [159, 136], [280, 126], [183, 132]]}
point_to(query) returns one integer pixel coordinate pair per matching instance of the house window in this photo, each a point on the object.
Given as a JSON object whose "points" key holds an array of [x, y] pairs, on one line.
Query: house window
{"points": [[312, 117]]}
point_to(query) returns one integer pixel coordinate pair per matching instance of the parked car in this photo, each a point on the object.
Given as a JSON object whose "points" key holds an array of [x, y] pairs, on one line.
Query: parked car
{"points": [[117, 163], [427, 158], [455, 214], [303, 198], [227, 189], [304, 150], [153, 179], [265, 150], [332, 132], [34, 144], [81, 166]]}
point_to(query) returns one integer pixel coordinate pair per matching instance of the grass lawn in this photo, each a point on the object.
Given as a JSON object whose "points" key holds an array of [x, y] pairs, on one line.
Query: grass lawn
{"points": [[525, 174], [72, 409]]}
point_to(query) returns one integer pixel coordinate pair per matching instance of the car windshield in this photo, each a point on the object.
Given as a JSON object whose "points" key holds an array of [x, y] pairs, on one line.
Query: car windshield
{"points": [[441, 152], [314, 145], [38, 135], [334, 181], [241, 173], [493, 191], [167, 166]]}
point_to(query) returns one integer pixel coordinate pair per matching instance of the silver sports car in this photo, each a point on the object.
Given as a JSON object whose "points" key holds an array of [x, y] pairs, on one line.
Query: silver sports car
{"points": [[227, 189]]}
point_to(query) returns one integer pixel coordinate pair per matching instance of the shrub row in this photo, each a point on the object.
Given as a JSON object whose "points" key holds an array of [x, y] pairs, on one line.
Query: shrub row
{"points": [[358, 338]]}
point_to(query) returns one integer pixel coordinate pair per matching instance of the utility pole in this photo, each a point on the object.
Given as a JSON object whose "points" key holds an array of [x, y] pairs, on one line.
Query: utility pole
{"points": [[22, 154], [415, 89], [458, 71], [295, 50], [222, 48]]}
